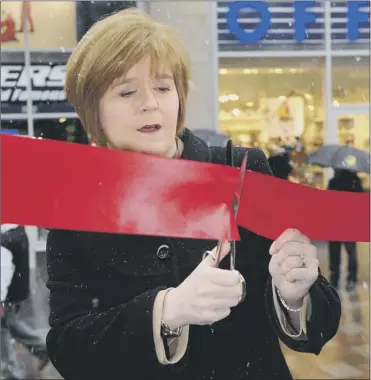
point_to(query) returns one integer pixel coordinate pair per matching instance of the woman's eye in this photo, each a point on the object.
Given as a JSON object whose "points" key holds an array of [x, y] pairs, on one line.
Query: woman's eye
{"points": [[163, 89], [126, 94]]}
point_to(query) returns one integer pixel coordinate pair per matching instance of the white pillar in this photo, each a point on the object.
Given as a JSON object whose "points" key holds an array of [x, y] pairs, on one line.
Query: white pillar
{"points": [[196, 22]]}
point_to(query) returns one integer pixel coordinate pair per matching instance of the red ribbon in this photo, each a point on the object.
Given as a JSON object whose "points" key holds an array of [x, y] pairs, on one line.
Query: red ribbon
{"points": [[69, 186], [270, 205]]}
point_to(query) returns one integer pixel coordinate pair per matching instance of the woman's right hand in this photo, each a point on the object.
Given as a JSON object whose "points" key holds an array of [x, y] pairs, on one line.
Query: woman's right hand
{"points": [[205, 296]]}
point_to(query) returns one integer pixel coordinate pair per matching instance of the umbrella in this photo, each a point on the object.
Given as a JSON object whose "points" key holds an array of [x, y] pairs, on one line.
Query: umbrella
{"points": [[211, 137], [341, 157]]}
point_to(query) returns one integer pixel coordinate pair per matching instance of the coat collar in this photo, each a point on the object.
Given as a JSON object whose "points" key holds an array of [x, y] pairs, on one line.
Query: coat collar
{"points": [[194, 149]]}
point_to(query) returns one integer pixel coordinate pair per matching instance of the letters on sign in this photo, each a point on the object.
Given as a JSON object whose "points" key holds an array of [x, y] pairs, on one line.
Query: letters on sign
{"points": [[303, 16], [47, 83]]}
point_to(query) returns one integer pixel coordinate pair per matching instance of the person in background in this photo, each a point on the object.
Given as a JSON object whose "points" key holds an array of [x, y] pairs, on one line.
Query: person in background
{"points": [[344, 180], [14, 291], [280, 165]]}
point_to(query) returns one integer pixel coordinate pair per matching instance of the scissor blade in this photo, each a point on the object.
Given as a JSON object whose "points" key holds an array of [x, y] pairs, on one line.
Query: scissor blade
{"points": [[236, 200], [240, 184]]}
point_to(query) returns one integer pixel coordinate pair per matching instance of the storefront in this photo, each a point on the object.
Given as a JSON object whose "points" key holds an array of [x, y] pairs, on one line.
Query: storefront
{"points": [[274, 90]]}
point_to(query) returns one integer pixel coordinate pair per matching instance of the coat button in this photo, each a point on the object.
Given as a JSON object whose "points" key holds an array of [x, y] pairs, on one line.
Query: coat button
{"points": [[163, 252]]}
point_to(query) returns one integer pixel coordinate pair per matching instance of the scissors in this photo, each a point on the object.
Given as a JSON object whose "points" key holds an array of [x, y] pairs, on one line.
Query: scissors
{"points": [[235, 205]]}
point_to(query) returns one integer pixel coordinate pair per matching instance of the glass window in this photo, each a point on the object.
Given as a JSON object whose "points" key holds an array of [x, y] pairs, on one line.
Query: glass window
{"points": [[274, 102], [47, 74], [50, 24], [61, 129], [12, 66], [350, 80], [89, 12], [14, 127], [48, 80]]}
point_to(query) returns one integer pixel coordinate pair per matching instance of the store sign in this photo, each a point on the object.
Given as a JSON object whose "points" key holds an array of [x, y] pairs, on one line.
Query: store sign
{"points": [[47, 83], [303, 16]]}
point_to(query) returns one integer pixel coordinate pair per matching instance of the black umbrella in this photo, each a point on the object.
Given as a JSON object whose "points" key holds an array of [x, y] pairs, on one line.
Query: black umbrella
{"points": [[341, 157], [211, 137]]}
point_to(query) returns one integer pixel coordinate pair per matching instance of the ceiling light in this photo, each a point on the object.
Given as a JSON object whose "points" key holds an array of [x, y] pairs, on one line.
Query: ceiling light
{"points": [[223, 98], [233, 97]]}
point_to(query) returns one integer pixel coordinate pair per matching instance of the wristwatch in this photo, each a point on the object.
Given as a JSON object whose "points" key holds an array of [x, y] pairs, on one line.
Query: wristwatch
{"points": [[166, 332]]}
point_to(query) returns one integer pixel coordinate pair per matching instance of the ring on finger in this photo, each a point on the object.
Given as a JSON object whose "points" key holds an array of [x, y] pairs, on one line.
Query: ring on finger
{"points": [[243, 285], [303, 261]]}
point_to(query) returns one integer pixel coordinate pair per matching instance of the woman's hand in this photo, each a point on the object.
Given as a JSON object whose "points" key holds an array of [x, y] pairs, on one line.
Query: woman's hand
{"points": [[206, 295], [293, 266]]}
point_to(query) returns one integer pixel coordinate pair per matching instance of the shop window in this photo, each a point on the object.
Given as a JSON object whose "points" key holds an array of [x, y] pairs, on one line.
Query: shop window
{"points": [[49, 24], [14, 127], [47, 73], [89, 12], [350, 80], [61, 129], [275, 104]]}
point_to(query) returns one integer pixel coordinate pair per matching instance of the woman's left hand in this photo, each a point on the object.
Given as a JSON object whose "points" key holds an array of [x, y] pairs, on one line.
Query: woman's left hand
{"points": [[293, 266]]}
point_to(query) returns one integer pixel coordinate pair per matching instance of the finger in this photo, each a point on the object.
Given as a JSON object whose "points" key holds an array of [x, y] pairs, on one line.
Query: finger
{"points": [[294, 248], [289, 263], [223, 277], [302, 275], [213, 291], [224, 303], [210, 258], [289, 235]]}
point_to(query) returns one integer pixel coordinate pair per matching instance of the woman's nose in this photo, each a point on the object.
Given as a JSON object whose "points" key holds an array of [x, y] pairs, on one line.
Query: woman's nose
{"points": [[150, 102]]}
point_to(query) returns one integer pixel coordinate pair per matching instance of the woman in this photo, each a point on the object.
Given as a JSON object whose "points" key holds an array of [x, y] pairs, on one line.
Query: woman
{"points": [[150, 308]]}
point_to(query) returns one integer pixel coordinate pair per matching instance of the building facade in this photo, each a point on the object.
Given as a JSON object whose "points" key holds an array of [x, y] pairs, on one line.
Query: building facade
{"points": [[290, 82]]}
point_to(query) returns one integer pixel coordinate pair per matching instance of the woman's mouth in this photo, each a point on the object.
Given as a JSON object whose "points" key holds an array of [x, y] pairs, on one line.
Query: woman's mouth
{"points": [[150, 128]]}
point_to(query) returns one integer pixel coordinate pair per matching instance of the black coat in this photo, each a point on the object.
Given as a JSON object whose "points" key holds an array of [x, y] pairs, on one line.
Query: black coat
{"points": [[103, 288], [345, 180], [16, 241]]}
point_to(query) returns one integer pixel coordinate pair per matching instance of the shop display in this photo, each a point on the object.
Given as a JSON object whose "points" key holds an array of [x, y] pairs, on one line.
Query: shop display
{"points": [[271, 102]]}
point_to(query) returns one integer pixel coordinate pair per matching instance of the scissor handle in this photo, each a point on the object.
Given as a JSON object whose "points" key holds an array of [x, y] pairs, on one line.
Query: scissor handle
{"points": [[218, 252]]}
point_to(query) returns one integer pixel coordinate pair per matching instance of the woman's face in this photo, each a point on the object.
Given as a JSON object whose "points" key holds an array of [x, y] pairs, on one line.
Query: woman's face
{"points": [[140, 112]]}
